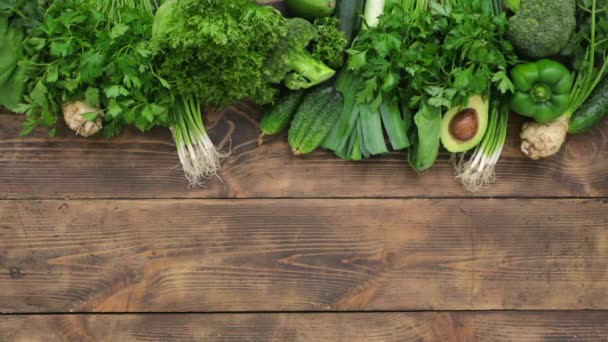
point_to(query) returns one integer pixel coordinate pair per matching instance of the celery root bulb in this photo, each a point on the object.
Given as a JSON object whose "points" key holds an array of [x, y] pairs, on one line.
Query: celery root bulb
{"points": [[73, 114], [540, 140]]}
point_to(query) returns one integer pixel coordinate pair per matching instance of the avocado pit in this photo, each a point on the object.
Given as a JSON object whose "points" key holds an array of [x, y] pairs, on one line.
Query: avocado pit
{"points": [[464, 124]]}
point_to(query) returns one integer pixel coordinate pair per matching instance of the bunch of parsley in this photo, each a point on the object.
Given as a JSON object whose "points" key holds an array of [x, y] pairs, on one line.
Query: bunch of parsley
{"points": [[440, 56], [79, 53]]}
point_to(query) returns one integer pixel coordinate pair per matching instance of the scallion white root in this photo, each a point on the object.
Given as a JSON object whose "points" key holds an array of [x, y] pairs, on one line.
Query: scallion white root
{"points": [[477, 171], [200, 159]]}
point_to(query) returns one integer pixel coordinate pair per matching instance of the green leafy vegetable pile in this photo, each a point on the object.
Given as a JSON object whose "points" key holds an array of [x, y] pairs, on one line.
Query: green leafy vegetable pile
{"points": [[79, 54], [217, 49], [110, 64], [418, 74], [587, 101], [423, 57]]}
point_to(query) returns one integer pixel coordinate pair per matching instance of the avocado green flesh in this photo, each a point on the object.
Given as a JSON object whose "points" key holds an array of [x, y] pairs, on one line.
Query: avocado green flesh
{"points": [[311, 9], [453, 144]]}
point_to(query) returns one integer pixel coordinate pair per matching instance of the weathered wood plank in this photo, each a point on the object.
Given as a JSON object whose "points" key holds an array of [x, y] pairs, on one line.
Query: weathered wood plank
{"points": [[146, 166], [350, 327], [291, 255]]}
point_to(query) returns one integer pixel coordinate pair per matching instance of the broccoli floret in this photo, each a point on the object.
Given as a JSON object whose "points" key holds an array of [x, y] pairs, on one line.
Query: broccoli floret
{"points": [[330, 42], [542, 28], [293, 63]]}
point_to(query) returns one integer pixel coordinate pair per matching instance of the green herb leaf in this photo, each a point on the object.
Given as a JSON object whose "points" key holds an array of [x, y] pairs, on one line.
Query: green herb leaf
{"points": [[91, 116], [38, 94], [91, 96], [52, 73], [116, 91], [118, 30], [114, 108]]}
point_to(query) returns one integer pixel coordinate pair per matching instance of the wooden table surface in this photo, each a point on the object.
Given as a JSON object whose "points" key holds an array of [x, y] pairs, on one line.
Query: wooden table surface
{"points": [[101, 240]]}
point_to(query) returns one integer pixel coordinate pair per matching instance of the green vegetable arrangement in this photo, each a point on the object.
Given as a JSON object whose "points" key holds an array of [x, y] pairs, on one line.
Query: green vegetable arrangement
{"points": [[423, 73], [416, 71], [113, 63], [80, 56], [588, 51], [382, 75]]}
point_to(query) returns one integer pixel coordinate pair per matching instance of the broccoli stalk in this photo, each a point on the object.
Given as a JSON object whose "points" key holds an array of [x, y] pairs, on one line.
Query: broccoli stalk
{"points": [[307, 71], [292, 62]]}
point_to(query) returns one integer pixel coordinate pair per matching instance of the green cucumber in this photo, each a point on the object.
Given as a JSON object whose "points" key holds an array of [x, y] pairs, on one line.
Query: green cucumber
{"points": [[313, 102], [311, 9], [349, 12], [314, 119], [321, 125], [591, 113], [279, 117]]}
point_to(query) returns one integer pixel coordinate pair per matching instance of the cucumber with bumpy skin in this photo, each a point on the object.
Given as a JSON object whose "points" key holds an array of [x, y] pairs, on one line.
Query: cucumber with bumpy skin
{"points": [[314, 119], [279, 117], [310, 106], [322, 124], [591, 113]]}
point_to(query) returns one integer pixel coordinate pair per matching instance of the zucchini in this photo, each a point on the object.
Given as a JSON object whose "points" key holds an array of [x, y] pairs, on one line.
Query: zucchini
{"points": [[349, 12], [279, 117], [311, 9], [591, 113], [314, 119]]}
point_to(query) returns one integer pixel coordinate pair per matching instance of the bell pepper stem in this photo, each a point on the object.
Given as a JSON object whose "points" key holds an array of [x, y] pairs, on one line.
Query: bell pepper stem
{"points": [[541, 93]]}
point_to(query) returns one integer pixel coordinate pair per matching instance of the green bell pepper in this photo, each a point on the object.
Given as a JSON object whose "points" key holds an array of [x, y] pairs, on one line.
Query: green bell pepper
{"points": [[542, 90]]}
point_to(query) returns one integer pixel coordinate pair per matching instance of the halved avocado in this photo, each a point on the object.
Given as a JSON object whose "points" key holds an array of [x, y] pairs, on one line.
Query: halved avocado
{"points": [[463, 128]]}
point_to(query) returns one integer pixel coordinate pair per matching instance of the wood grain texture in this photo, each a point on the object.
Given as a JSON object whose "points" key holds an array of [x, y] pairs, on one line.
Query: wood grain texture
{"points": [[146, 166], [351, 327], [293, 255]]}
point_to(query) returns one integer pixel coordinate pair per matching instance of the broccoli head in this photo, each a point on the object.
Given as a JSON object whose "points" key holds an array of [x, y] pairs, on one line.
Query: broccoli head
{"points": [[292, 62], [542, 28]]}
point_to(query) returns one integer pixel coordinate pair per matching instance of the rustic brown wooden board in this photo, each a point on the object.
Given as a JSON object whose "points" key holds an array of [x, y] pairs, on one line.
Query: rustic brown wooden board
{"points": [[292, 255], [146, 166], [351, 327], [318, 255]]}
